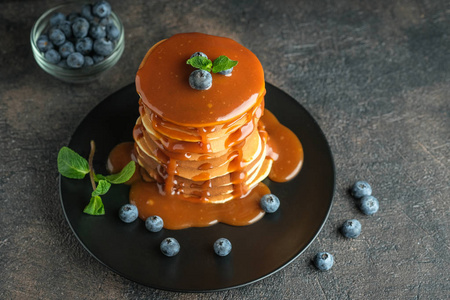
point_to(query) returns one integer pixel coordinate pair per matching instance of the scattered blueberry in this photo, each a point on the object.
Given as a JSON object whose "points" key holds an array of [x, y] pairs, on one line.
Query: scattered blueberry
{"points": [[369, 205], [361, 189], [323, 261], [88, 61], [101, 9], [222, 247], [128, 213], [66, 27], [43, 43], [57, 18], [52, 56], [351, 228], [97, 31], [84, 45], [198, 54], [154, 223], [66, 49], [269, 203], [200, 80], [86, 12], [226, 72], [80, 27], [170, 247], [56, 36], [112, 32], [103, 47]]}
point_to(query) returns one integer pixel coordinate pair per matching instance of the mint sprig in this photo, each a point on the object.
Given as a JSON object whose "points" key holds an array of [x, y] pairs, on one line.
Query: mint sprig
{"points": [[74, 166], [220, 64]]}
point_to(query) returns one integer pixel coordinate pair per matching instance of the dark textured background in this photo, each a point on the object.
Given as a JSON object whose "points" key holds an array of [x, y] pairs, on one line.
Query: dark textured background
{"points": [[374, 74]]}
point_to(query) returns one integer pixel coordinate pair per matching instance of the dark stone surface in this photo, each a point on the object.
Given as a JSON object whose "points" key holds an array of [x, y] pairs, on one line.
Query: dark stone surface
{"points": [[374, 74]]}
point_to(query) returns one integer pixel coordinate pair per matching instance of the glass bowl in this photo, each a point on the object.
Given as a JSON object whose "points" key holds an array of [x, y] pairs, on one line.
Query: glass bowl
{"points": [[84, 74]]}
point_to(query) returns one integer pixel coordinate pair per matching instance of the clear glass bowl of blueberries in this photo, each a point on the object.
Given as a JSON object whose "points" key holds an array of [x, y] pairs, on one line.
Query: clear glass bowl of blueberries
{"points": [[77, 41]]}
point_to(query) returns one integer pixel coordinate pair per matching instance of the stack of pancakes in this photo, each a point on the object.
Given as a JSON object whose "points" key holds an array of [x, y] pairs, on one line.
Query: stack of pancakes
{"points": [[200, 145]]}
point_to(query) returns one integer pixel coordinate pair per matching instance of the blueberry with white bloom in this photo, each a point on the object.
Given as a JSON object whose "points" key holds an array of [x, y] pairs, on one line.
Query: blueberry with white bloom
{"points": [[361, 189], [269, 203], [86, 12], [103, 47], [57, 18], [170, 247], [323, 261], [98, 58], [97, 31], [101, 9], [88, 61], [154, 223], [66, 27], [112, 32], [199, 54], [43, 43], [351, 228], [52, 56], [56, 36], [226, 72], [84, 45], [222, 247], [200, 80], [128, 213], [66, 49], [75, 60], [369, 205], [80, 27]]}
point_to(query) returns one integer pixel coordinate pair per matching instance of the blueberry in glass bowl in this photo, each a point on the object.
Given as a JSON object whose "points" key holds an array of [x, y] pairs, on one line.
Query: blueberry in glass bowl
{"points": [[69, 23]]}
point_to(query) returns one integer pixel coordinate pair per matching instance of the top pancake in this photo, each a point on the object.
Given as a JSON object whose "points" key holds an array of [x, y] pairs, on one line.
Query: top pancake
{"points": [[162, 81]]}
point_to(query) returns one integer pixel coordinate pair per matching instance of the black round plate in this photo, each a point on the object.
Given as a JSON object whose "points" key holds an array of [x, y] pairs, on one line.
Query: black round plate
{"points": [[259, 250]]}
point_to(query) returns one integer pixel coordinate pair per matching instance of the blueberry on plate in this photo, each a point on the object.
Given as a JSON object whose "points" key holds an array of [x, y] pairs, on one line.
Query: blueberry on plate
{"points": [[200, 80], [103, 47], [351, 228], [66, 49], [43, 43], [52, 56], [170, 247], [226, 72], [56, 36], [154, 223], [112, 32], [222, 247], [361, 189], [128, 213], [101, 9], [80, 27], [199, 54], [84, 45], [369, 205], [88, 61], [323, 261], [57, 18], [269, 203], [97, 31]]}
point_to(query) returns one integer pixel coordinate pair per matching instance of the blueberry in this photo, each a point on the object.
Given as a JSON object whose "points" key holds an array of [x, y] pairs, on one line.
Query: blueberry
{"points": [[112, 32], [86, 12], [105, 21], [84, 45], [66, 49], [222, 247], [66, 27], [323, 261], [269, 203], [361, 189], [88, 61], [101, 9], [72, 16], [351, 228], [52, 56], [154, 223], [75, 60], [98, 58], [226, 72], [63, 63], [56, 36], [369, 205], [43, 43], [103, 47], [57, 18], [80, 27], [199, 54], [97, 31], [128, 213], [170, 247], [200, 80]]}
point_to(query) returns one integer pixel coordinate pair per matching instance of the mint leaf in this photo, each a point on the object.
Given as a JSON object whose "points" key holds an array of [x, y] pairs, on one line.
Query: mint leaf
{"points": [[95, 207], [102, 188], [71, 164], [98, 177], [223, 63], [200, 62], [123, 175]]}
